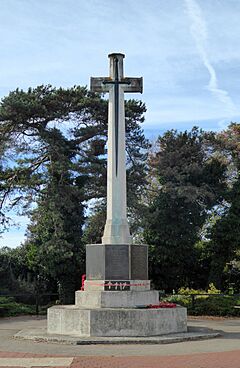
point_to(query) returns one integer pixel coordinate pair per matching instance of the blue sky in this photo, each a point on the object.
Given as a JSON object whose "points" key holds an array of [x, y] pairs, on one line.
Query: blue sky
{"points": [[188, 52]]}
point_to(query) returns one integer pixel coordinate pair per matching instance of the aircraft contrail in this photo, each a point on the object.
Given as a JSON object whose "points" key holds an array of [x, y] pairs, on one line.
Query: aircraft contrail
{"points": [[200, 34]]}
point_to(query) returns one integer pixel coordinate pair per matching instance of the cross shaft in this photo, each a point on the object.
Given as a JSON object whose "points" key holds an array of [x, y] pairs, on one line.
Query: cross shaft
{"points": [[116, 228]]}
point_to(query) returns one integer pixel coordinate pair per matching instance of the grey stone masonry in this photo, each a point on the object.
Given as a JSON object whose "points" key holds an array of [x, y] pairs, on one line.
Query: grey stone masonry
{"points": [[116, 262], [76, 321], [113, 299]]}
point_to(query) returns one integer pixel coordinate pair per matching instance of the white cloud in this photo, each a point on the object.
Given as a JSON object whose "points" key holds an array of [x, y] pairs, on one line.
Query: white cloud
{"points": [[200, 34], [64, 43]]}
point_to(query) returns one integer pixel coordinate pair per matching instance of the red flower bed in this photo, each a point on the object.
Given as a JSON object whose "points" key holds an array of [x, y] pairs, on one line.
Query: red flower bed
{"points": [[162, 305]]}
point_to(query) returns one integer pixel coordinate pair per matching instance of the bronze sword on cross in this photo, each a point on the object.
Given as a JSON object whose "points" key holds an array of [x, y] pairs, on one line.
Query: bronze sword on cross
{"points": [[116, 79]]}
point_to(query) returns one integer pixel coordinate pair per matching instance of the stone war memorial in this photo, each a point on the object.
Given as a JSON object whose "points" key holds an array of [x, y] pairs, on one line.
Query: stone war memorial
{"points": [[117, 290]]}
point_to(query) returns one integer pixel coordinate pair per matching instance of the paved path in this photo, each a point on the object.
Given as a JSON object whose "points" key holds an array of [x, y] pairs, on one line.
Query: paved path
{"points": [[229, 359], [223, 352]]}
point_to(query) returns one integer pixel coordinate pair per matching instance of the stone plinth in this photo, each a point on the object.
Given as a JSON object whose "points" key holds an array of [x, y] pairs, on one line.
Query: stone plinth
{"points": [[116, 299], [76, 321], [116, 262]]}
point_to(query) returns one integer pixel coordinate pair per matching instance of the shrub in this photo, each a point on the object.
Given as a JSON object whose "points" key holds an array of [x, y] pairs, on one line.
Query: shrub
{"points": [[4, 300], [208, 305], [212, 305], [187, 291], [215, 306], [212, 289], [184, 301], [9, 307]]}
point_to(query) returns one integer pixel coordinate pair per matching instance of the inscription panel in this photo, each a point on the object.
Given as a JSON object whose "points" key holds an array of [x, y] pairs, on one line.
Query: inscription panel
{"points": [[95, 262], [117, 262], [139, 262]]}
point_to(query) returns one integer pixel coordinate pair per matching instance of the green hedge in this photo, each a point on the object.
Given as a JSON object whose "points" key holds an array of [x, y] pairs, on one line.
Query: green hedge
{"points": [[208, 305], [9, 307]]}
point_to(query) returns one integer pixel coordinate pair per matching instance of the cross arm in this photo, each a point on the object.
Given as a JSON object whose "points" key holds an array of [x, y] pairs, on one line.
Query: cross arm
{"points": [[133, 85], [97, 85], [102, 84]]}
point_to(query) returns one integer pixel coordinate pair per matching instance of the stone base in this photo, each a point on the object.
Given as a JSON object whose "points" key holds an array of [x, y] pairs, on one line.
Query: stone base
{"points": [[115, 299], [76, 321]]}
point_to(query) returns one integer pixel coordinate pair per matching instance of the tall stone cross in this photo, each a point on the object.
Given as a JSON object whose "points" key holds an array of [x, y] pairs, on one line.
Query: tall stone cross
{"points": [[116, 228], [116, 270]]}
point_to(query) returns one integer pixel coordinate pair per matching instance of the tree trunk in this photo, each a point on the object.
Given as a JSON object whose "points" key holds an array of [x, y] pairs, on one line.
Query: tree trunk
{"points": [[67, 291]]}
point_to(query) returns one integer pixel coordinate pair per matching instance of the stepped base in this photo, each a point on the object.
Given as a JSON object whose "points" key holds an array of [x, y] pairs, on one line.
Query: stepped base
{"points": [[116, 299], [76, 321]]}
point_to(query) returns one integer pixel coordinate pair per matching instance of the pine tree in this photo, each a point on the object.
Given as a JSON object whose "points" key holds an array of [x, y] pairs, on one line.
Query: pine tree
{"points": [[59, 163]]}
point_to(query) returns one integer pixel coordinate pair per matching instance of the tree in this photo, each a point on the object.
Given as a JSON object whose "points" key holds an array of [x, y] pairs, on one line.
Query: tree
{"points": [[190, 182], [26, 119], [225, 238], [225, 234], [54, 243], [14, 272], [4, 219], [58, 150]]}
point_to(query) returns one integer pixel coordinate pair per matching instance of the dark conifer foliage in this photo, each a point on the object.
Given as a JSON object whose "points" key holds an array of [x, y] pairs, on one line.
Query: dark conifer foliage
{"points": [[189, 183], [224, 246]]}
